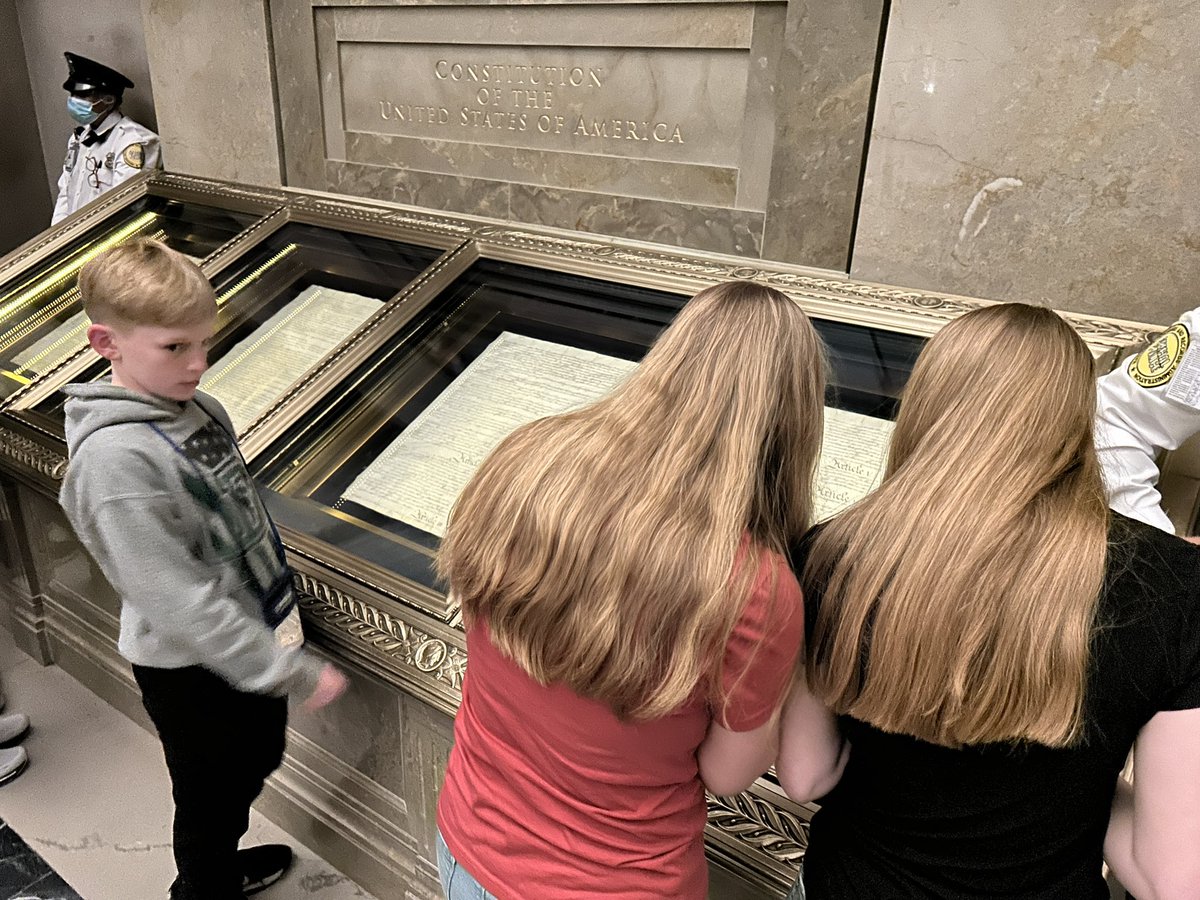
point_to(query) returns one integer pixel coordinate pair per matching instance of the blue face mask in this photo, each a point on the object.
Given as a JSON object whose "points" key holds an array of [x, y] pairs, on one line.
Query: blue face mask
{"points": [[81, 110]]}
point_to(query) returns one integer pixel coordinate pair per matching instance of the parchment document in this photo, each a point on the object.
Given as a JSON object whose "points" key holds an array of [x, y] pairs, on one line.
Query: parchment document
{"points": [[852, 459], [46, 352], [257, 370], [514, 381]]}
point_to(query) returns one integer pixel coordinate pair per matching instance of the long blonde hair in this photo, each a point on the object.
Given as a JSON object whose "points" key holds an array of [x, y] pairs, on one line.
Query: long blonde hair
{"points": [[600, 546], [959, 598]]}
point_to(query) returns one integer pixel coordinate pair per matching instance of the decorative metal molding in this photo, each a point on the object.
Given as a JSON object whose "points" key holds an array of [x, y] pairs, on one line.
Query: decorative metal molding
{"points": [[760, 827], [348, 346], [379, 215], [99, 208], [219, 190], [923, 304], [32, 455], [244, 238], [400, 642]]}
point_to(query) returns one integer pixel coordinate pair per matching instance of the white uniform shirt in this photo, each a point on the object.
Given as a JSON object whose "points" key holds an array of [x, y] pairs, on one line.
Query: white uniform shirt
{"points": [[1150, 402], [101, 156]]}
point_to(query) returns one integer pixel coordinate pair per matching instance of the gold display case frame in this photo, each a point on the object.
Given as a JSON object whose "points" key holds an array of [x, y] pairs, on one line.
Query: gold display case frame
{"points": [[405, 634]]}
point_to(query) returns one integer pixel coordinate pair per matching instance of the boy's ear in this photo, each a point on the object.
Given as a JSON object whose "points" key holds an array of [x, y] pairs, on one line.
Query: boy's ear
{"points": [[103, 340]]}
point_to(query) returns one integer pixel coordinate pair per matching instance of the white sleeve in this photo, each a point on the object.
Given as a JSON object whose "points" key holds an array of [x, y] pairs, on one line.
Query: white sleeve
{"points": [[135, 156], [1150, 402], [62, 204]]}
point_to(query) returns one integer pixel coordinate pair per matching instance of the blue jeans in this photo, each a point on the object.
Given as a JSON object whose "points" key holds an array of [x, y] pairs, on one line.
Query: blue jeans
{"points": [[457, 882], [797, 891]]}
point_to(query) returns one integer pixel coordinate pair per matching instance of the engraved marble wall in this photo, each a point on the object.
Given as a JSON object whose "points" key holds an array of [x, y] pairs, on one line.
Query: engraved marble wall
{"points": [[1036, 151], [211, 68], [648, 119]]}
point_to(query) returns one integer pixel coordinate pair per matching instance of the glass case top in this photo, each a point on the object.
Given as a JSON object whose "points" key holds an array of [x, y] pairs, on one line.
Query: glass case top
{"points": [[285, 306], [41, 318], [377, 468]]}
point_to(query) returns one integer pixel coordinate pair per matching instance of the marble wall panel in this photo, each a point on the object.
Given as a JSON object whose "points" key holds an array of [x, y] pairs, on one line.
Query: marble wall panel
{"points": [[652, 121], [211, 67], [705, 185], [362, 729], [824, 85], [1040, 152], [109, 31], [680, 225], [470, 195]]}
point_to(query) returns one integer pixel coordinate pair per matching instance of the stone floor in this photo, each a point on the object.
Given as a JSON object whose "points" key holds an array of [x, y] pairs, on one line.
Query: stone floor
{"points": [[93, 809]]}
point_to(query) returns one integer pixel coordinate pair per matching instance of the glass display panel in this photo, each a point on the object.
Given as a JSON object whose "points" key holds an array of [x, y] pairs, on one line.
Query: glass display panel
{"points": [[286, 305], [41, 318], [375, 470]]}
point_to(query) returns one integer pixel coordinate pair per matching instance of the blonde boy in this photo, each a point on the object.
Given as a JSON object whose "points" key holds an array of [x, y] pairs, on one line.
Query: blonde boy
{"points": [[158, 493]]}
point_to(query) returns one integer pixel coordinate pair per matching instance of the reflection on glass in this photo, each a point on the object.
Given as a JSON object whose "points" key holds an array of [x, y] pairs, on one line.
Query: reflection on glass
{"points": [[376, 468], [41, 319], [285, 305]]}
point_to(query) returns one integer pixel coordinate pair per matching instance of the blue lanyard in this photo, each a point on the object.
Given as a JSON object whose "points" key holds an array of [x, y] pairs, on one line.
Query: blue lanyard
{"points": [[275, 539]]}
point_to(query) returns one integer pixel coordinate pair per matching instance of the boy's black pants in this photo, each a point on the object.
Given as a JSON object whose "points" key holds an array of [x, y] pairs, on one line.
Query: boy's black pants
{"points": [[220, 744]]}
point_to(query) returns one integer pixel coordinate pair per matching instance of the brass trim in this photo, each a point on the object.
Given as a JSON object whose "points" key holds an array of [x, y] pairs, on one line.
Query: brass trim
{"points": [[302, 395], [381, 220], [417, 660], [31, 454], [69, 228], [822, 293]]}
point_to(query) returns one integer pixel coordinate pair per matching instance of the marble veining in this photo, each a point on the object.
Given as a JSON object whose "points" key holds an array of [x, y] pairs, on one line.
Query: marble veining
{"points": [[1037, 152]]}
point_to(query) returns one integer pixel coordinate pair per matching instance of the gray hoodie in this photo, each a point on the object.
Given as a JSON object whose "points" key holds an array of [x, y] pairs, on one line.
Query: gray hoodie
{"points": [[159, 495]]}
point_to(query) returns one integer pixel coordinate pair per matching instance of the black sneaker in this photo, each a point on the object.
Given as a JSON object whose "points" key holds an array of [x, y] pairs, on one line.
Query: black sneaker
{"points": [[263, 865]]}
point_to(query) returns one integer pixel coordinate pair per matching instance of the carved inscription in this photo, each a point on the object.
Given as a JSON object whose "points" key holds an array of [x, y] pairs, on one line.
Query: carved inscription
{"points": [[674, 105], [520, 97]]}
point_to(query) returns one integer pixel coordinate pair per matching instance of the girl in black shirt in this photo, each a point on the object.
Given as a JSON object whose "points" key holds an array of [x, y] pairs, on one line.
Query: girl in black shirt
{"points": [[993, 641]]}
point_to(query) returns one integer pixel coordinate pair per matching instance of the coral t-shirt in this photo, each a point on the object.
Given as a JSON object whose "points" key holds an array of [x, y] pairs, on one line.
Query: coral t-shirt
{"points": [[549, 795]]}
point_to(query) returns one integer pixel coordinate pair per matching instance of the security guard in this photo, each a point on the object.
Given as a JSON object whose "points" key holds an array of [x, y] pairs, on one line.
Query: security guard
{"points": [[1150, 402], [108, 147]]}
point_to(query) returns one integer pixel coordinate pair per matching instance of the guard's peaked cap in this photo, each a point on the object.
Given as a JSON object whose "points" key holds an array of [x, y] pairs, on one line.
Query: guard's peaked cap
{"points": [[88, 75]]}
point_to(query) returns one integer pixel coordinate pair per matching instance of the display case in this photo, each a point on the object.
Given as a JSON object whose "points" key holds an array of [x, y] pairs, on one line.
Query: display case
{"points": [[371, 355], [394, 435], [282, 308], [42, 323]]}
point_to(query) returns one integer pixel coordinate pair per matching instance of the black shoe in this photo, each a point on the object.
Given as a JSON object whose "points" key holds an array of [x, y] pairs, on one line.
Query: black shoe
{"points": [[263, 865]]}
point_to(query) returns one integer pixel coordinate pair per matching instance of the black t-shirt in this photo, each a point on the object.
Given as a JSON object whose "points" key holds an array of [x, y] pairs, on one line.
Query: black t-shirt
{"points": [[911, 819]]}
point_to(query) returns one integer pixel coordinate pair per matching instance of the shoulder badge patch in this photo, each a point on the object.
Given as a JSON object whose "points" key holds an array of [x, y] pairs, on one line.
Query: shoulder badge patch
{"points": [[1155, 365], [134, 155]]}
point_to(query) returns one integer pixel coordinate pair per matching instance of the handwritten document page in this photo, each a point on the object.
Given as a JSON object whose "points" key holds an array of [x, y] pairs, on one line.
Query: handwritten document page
{"points": [[514, 381], [852, 460], [258, 369], [51, 349]]}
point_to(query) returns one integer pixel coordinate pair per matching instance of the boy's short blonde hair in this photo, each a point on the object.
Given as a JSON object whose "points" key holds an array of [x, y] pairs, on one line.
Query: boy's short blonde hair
{"points": [[145, 282]]}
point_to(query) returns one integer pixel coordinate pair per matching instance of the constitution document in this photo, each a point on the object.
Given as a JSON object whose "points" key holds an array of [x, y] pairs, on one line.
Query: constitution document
{"points": [[852, 460], [514, 381], [48, 351], [258, 369]]}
